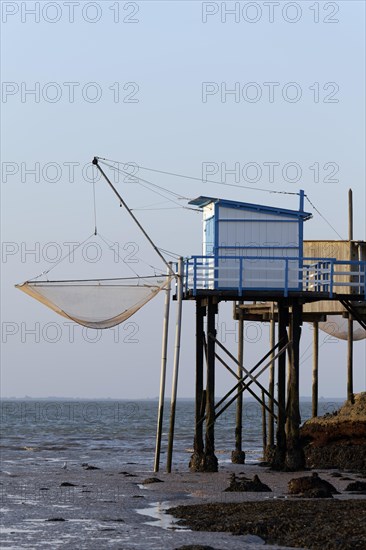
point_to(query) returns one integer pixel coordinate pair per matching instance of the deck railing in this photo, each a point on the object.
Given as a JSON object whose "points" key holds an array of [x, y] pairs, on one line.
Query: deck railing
{"points": [[243, 273]]}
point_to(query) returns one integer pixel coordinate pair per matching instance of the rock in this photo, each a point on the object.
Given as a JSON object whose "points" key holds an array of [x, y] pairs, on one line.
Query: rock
{"points": [[239, 484], [202, 462], [152, 480], [337, 440], [67, 484], [194, 547], [357, 487], [238, 457], [87, 466], [311, 487], [316, 493]]}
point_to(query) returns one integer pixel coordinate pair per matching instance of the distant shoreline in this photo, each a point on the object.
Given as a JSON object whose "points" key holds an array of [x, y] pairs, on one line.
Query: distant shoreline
{"points": [[52, 398]]}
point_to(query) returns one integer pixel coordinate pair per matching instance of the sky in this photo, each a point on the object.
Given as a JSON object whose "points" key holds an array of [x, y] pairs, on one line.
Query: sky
{"points": [[246, 97]]}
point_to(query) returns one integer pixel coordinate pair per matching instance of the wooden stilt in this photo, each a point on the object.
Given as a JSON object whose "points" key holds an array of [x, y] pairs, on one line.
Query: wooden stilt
{"points": [[164, 348], [295, 456], [176, 365], [210, 458], [279, 458], [350, 360], [314, 398], [271, 386], [350, 320], [264, 424], [197, 459], [238, 456]]}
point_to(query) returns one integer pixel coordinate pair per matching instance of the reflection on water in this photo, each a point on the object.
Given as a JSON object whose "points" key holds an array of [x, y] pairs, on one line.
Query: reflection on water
{"points": [[157, 510]]}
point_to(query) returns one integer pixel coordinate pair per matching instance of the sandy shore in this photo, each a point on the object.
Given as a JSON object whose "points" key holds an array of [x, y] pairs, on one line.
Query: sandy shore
{"points": [[46, 506]]}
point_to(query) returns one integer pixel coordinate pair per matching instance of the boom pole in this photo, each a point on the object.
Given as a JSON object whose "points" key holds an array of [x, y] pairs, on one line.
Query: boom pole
{"points": [[96, 163]]}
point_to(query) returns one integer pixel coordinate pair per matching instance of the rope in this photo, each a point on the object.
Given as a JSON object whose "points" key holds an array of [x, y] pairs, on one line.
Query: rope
{"points": [[140, 180], [156, 269], [205, 181], [105, 240], [61, 259], [324, 218], [172, 254]]}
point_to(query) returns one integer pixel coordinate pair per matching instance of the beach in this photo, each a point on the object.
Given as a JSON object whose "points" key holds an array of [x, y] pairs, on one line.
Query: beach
{"points": [[88, 505], [79, 475]]}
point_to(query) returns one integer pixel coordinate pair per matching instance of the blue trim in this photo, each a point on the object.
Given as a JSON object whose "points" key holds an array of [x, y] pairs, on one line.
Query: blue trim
{"points": [[256, 220], [203, 201], [323, 269], [286, 278], [216, 242], [301, 237], [260, 247], [307, 258]]}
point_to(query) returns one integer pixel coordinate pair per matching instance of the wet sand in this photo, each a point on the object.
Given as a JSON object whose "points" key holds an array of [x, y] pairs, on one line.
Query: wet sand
{"points": [[46, 506]]}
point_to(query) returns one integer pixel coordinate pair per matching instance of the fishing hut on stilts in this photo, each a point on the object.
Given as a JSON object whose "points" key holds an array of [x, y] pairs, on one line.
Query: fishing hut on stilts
{"points": [[255, 257]]}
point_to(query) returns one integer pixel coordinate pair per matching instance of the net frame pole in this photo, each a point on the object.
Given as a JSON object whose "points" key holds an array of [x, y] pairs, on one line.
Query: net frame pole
{"points": [[96, 163], [164, 348], [178, 330]]}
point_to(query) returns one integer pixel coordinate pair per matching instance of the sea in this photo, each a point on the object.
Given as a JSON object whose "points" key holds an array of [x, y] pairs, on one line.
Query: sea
{"points": [[123, 431], [73, 473]]}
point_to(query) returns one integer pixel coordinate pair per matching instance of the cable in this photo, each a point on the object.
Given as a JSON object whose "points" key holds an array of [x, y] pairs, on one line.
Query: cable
{"points": [[204, 181], [324, 218], [156, 269], [177, 195], [140, 180], [72, 250], [172, 254]]}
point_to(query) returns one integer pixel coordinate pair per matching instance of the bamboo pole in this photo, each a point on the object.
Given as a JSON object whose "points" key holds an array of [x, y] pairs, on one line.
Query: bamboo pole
{"points": [[164, 349], [178, 328], [314, 399], [123, 203]]}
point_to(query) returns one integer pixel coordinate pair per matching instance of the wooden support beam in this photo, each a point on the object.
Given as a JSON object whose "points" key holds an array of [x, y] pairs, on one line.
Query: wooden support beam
{"points": [[241, 386], [350, 319], [238, 456], [196, 462], [280, 453], [211, 463], [271, 381], [350, 396], [264, 424], [243, 369], [314, 398], [295, 459]]}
